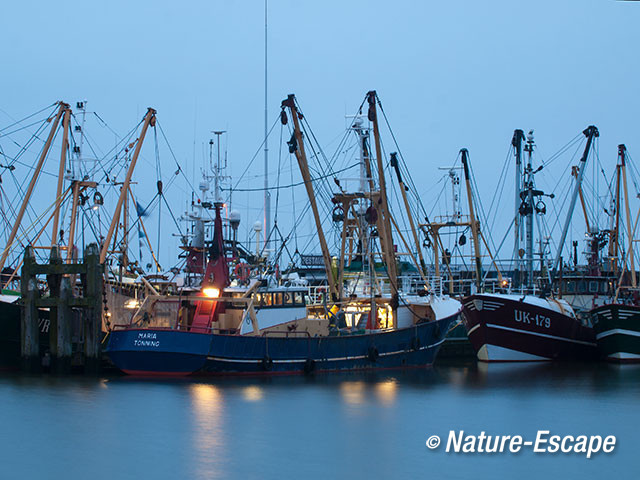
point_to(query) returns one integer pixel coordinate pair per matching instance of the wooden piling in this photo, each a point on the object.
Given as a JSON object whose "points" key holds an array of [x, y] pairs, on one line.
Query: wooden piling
{"points": [[92, 314], [63, 305], [30, 333], [61, 355]]}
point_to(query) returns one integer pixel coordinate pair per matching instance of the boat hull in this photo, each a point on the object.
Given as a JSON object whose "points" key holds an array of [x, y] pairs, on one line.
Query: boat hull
{"points": [[617, 329], [161, 352], [10, 335], [411, 347], [505, 328]]}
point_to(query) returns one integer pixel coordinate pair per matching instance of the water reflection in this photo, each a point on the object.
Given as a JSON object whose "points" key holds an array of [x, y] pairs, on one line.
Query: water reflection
{"points": [[252, 393], [567, 376], [286, 427], [208, 431], [352, 392], [386, 391]]}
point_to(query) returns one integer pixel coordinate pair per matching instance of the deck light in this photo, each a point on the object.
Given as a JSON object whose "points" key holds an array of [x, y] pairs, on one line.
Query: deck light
{"points": [[211, 292]]}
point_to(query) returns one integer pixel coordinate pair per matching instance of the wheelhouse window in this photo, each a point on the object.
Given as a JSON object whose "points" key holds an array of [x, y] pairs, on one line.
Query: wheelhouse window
{"points": [[277, 299]]}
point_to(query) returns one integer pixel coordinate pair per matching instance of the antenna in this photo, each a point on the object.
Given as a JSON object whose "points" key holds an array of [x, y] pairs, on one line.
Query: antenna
{"points": [[217, 170]]}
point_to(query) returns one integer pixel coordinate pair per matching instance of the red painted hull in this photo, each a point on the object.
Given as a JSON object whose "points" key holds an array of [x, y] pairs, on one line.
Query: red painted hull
{"points": [[508, 328]]}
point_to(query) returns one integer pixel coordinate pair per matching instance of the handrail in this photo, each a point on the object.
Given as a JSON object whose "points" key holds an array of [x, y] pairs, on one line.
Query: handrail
{"points": [[302, 332]]}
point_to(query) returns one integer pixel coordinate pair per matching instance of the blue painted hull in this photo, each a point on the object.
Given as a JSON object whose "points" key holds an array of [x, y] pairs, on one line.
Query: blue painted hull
{"points": [[185, 353], [158, 351]]}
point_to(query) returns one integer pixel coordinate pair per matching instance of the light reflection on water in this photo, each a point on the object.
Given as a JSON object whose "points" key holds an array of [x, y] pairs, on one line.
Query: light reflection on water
{"points": [[252, 393], [344, 425], [208, 432], [352, 392], [386, 391]]}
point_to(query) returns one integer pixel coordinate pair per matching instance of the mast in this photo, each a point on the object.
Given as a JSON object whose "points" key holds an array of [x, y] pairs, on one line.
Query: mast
{"points": [[149, 119], [623, 165], [63, 161], [75, 188], [301, 156], [217, 169], [590, 132], [125, 232], [528, 185], [583, 204], [36, 173], [516, 142], [472, 217], [267, 194], [614, 227], [386, 238], [403, 190]]}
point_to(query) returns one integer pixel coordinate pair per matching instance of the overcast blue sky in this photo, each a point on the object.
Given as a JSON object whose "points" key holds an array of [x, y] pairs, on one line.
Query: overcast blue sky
{"points": [[449, 74]]}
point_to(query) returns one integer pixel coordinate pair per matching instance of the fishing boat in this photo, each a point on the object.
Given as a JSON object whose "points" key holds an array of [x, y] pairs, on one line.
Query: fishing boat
{"points": [[347, 324], [617, 328], [530, 326], [208, 332], [507, 327], [617, 321]]}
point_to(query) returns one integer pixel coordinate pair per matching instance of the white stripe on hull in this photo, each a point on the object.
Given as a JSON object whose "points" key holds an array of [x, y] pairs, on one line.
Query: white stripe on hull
{"points": [[618, 331], [333, 359], [493, 353], [473, 329], [553, 337], [624, 356]]}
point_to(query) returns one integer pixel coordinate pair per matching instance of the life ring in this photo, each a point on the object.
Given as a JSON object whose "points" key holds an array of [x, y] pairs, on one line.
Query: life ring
{"points": [[372, 354], [309, 366], [242, 271], [267, 363]]}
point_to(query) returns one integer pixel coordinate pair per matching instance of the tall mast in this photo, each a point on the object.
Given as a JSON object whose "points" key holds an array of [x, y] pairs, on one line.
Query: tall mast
{"points": [[472, 217], [36, 173], [528, 189], [403, 190], [267, 194], [614, 245], [125, 231], [149, 119], [301, 156], [63, 162], [590, 132], [516, 142], [623, 163], [384, 226]]}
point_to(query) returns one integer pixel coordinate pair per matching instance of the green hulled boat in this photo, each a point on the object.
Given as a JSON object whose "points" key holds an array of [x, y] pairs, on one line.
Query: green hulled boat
{"points": [[617, 328]]}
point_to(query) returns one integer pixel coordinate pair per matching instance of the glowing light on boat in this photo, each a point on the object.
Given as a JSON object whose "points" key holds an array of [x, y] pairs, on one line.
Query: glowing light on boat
{"points": [[211, 292], [132, 304]]}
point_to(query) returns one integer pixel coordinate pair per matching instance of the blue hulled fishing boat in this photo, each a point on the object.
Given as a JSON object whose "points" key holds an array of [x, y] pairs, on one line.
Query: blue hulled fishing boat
{"points": [[227, 331], [366, 315]]}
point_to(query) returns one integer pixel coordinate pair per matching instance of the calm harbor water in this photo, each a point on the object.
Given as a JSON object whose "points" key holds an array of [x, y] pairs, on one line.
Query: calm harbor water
{"points": [[337, 426]]}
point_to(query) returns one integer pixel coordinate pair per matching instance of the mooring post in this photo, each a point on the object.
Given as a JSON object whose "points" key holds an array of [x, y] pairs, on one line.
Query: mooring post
{"points": [[30, 337], [53, 284], [62, 353], [92, 316]]}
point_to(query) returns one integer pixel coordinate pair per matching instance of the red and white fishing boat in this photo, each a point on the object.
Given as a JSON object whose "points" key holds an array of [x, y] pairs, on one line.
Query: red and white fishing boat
{"points": [[509, 328]]}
